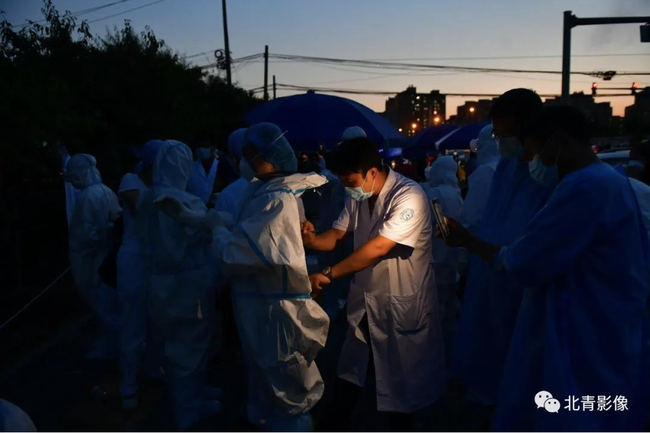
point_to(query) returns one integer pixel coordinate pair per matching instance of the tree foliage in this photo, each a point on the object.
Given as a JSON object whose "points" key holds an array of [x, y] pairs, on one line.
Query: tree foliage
{"points": [[100, 95]]}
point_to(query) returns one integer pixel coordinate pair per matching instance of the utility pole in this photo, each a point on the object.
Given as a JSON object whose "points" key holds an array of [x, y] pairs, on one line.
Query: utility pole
{"points": [[266, 72], [571, 21], [226, 42], [274, 87]]}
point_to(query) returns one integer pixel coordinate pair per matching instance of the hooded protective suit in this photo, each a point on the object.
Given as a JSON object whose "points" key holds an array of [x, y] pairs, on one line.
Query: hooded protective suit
{"points": [[443, 185], [281, 328], [180, 282], [480, 180], [90, 239]]}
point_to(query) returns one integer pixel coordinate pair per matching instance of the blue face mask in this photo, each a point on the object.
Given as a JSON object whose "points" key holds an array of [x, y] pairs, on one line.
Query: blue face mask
{"points": [[204, 153], [358, 193], [510, 147], [245, 170], [543, 174]]}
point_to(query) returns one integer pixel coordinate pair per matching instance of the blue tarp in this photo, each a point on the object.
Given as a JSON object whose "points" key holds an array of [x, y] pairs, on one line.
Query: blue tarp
{"points": [[461, 138], [313, 119], [425, 140]]}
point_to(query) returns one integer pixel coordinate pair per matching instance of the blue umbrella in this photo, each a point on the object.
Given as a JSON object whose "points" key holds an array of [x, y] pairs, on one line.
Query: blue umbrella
{"points": [[460, 139], [425, 140], [313, 119]]}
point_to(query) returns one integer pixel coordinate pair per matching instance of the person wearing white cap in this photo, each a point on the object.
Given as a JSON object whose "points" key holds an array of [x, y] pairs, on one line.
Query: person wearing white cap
{"points": [[352, 132]]}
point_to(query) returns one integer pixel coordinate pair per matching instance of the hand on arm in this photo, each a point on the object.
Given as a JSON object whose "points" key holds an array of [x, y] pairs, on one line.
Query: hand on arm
{"points": [[324, 242], [369, 254], [460, 237]]}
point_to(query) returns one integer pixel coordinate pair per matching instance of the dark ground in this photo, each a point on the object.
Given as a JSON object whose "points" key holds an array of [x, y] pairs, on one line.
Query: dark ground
{"points": [[44, 371]]}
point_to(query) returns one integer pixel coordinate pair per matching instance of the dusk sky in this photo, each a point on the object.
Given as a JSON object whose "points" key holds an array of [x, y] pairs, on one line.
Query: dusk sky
{"points": [[417, 31]]}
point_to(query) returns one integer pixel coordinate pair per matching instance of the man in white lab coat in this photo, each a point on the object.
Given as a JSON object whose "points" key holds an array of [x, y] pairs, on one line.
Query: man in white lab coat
{"points": [[394, 335]]}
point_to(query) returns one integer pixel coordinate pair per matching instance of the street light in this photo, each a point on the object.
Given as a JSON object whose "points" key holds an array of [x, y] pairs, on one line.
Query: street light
{"points": [[400, 129], [472, 109], [436, 119], [414, 125]]}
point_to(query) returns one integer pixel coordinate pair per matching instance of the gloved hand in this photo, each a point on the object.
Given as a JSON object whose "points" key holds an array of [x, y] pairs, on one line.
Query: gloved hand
{"points": [[173, 208], [217, 219]]}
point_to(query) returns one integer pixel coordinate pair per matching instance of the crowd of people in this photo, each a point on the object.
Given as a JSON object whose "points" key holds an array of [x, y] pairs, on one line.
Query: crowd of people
{"points": [[540, 285]]}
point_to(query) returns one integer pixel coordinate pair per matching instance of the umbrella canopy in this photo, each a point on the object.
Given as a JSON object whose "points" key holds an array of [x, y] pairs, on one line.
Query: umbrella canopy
{"points": [[460, 138], [425, 140], [313, 120]]}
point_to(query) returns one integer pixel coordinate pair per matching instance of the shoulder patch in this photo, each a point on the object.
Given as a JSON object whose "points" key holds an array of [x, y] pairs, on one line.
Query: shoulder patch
{"points": [[407, 214]]}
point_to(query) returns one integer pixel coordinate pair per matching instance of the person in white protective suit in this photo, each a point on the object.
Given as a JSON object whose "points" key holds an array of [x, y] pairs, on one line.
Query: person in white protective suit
{"points": [[132, 300], [443, 185], [480, 180], [281, 328], [180, 282], [229, 198], [90, 239], [204, 170]]}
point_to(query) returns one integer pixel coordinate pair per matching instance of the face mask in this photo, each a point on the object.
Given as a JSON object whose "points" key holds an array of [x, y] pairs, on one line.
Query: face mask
{"points": [[473, 145], [358, 193], [204, 153], [510, 147], [543, 174], [245, 170]]}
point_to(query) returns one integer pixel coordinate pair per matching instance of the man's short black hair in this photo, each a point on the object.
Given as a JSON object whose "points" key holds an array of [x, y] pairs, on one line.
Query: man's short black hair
{"points": [[565, 118], [358, 155], [520, 104]]}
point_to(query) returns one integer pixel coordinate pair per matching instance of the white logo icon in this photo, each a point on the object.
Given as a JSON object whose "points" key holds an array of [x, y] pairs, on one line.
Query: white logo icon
{"points": [[407, 214], [541, 398], [552, 405]]}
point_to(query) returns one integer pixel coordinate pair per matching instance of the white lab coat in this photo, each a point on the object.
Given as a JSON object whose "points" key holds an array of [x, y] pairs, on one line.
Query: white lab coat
{"points": [[399, 297], [281, 328], [201, 183]]}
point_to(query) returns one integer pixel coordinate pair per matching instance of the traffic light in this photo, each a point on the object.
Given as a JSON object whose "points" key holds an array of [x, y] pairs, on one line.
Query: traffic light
{"points": [[634, 87], [594, 88]]}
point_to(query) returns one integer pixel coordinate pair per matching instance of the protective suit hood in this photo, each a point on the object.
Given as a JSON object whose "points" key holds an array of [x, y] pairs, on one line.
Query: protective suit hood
{"points": [[81, 171], [172, 165], [487, 149], [443, 172]]}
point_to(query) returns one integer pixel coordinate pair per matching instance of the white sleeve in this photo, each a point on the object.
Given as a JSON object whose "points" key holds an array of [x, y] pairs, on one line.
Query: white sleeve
{"points": [[301, 210], [344, 223], [407, 217]]}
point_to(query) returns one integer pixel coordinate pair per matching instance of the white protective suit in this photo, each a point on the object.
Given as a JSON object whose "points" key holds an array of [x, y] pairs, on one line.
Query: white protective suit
{"points": [[228, 200], [90, 239], [480, 180], [180, 282], [281, 328], [443, 185]]}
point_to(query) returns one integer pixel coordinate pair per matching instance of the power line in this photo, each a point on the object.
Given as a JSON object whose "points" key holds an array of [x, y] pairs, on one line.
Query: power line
{"points": [[411, 66], [549, 56], [389, 93], [126, 11], [77, 13]]}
